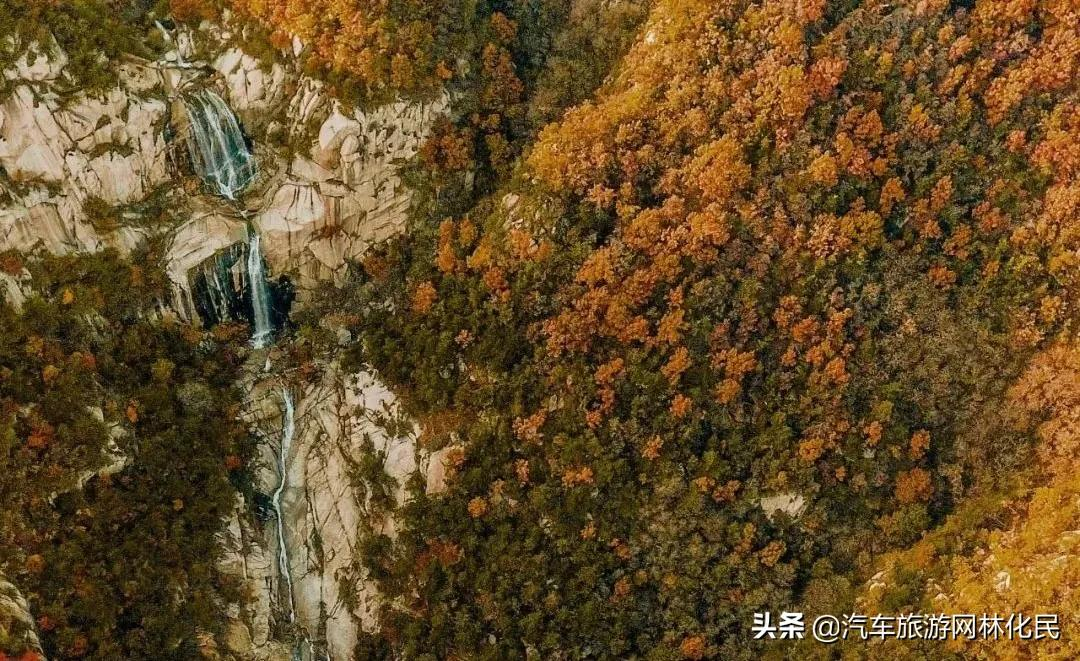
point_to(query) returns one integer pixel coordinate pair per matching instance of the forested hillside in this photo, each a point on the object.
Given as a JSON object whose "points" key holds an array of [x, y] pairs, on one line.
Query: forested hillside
{"points": [[702, 309], [797, 249], [119, 452]]}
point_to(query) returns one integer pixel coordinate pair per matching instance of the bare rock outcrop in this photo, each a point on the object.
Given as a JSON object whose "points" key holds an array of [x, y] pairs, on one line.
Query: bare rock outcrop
{"points": [[58, 153], [344, 193], [351, 455], [329, 188], [17, 626]]}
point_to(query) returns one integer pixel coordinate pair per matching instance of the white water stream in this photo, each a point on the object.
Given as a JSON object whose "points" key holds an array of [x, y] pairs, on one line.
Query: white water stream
{"points": [[287, 432], [260, 292], [223, 160], [220, 153]]}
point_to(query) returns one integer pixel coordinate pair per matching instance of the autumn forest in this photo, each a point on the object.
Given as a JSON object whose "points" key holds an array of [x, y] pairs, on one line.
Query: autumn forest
{"points": [[703, 308]]}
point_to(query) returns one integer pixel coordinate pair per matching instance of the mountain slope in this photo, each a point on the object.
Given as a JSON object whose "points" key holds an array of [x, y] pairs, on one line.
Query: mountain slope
{"points": [[794, 249]]}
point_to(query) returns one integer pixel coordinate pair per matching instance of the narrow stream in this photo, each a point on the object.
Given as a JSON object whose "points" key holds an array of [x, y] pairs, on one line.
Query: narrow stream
{"points": [[287, 432]]}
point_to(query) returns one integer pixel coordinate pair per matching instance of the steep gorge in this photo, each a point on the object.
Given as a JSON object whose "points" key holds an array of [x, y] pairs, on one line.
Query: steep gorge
{"points": [[162, 161]]}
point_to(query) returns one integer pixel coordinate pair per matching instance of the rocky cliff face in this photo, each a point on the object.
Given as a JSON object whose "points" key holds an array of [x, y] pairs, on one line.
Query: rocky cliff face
{"points": [[57, 153], [350, 457], [327, 189], [333, 189]]}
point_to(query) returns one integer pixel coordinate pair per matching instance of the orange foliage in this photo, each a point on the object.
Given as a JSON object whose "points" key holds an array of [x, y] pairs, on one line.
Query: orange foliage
{"points": [[772, 553], [681, 405], [362, 39], [528, 429], [41, 436], [35, 564], [50, 373], [447, 149], [651, 451], [1051, 387], [424, 296], [678, 364], [914, 486], [577, 476], [477, 507], [746, 176], [811, 449], [693, 647], [919, 444]]}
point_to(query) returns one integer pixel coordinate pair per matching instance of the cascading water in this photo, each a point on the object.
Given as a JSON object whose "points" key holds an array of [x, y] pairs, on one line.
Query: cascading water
{"points": [[287, 432], [218, 148], [222, 159], [260, 292]]}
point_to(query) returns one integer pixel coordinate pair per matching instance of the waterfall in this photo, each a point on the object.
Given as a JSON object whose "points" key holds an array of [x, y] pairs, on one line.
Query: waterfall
{"points": [[218, 149], [287, 432], [260, 292]]}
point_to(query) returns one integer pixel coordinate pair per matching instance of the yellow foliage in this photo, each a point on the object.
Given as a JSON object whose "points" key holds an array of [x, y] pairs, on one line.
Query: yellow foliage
{"points": [[477, 507], [360, 38]]}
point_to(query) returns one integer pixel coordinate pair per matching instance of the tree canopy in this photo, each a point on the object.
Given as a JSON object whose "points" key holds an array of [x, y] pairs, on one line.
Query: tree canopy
{"points": [[788, 248]]}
